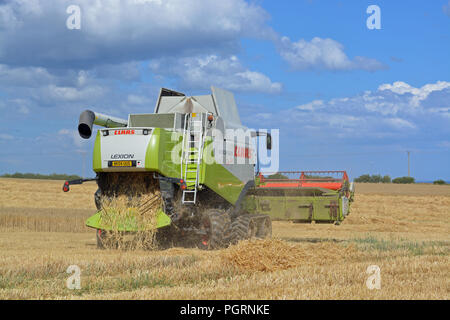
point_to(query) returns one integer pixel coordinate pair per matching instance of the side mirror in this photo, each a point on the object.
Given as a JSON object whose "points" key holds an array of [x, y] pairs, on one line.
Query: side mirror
{"points": [[269, 141]]}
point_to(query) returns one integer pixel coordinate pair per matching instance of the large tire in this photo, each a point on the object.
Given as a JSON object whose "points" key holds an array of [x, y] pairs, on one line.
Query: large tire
{"points": [[243, 227], [216, 223]]}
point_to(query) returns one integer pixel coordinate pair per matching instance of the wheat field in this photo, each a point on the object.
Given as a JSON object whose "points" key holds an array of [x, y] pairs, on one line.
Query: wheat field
{"points": [[403, 229]]}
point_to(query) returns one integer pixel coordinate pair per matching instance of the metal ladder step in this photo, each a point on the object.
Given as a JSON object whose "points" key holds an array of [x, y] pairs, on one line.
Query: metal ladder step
{"points": [[193, 140]]}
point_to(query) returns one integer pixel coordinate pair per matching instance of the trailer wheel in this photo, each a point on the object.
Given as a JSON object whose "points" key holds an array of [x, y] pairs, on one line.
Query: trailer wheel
{"points": [[243, 227], [216, 224]]}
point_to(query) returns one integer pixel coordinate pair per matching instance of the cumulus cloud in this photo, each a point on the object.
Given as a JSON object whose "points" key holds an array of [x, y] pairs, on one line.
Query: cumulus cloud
{"points": [[120, 31], [418, 94], [392, 111], [34, 33], [323, 54], [34, 92], [23, 76], [202, 71], [314, 105], [399, 123]]}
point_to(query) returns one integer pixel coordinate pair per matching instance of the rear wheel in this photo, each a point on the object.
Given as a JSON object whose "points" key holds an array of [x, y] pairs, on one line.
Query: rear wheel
{"points": [[216, 225], [250, 226], [243, 227]]}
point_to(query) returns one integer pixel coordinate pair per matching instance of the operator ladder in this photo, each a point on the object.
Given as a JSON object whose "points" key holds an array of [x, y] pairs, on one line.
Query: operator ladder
{"points": [[192, 150]]}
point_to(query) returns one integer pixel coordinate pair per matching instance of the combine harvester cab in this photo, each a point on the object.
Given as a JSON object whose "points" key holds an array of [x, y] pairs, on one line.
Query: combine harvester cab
{"points": [[302, 196]]}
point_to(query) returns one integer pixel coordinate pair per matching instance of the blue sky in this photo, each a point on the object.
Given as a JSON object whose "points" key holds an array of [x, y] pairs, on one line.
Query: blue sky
{"points": [[344, 97]]}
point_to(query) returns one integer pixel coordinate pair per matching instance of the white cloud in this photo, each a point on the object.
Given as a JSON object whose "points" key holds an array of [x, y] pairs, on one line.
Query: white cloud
{"points": [[322, 54], [399, 123], [418, 94], [24, 76], [28, 91], [118, 31], [393, 111], [200, 72], [314, 105], [57, 93]]}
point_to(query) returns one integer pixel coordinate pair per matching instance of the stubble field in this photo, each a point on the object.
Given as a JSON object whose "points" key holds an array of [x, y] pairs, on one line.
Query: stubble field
{"points": [[403, 229]]}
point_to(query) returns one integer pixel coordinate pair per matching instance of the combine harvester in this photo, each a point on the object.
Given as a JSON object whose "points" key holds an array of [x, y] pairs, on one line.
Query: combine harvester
{"points": [[202, 182]]}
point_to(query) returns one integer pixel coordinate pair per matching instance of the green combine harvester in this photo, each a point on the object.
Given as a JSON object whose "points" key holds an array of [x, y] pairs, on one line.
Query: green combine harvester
{"points": [[194, 161]]}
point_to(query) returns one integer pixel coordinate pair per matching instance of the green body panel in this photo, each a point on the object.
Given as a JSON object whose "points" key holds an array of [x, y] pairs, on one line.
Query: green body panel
{"points": [[129, 224], [97, 156], [320, 208], [219, 179], [158, 157], [152, 155], [222, 182]]}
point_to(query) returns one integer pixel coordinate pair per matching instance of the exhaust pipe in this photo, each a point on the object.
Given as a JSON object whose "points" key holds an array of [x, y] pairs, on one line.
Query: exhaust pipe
{"points": [[88, 118]]}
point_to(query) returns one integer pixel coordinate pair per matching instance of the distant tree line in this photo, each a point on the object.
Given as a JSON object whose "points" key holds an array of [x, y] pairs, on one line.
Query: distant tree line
{"points": [[376, 178], [53, 176], [404, 180]]}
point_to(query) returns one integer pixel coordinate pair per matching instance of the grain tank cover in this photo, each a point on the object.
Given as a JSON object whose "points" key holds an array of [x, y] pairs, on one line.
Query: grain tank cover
{"points": [[226, 107], [220, 103]]}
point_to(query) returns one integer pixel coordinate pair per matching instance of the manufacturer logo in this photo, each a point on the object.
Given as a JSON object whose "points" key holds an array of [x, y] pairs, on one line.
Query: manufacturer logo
{"points": [[116, 132], [122, 156], [241, 152]]}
